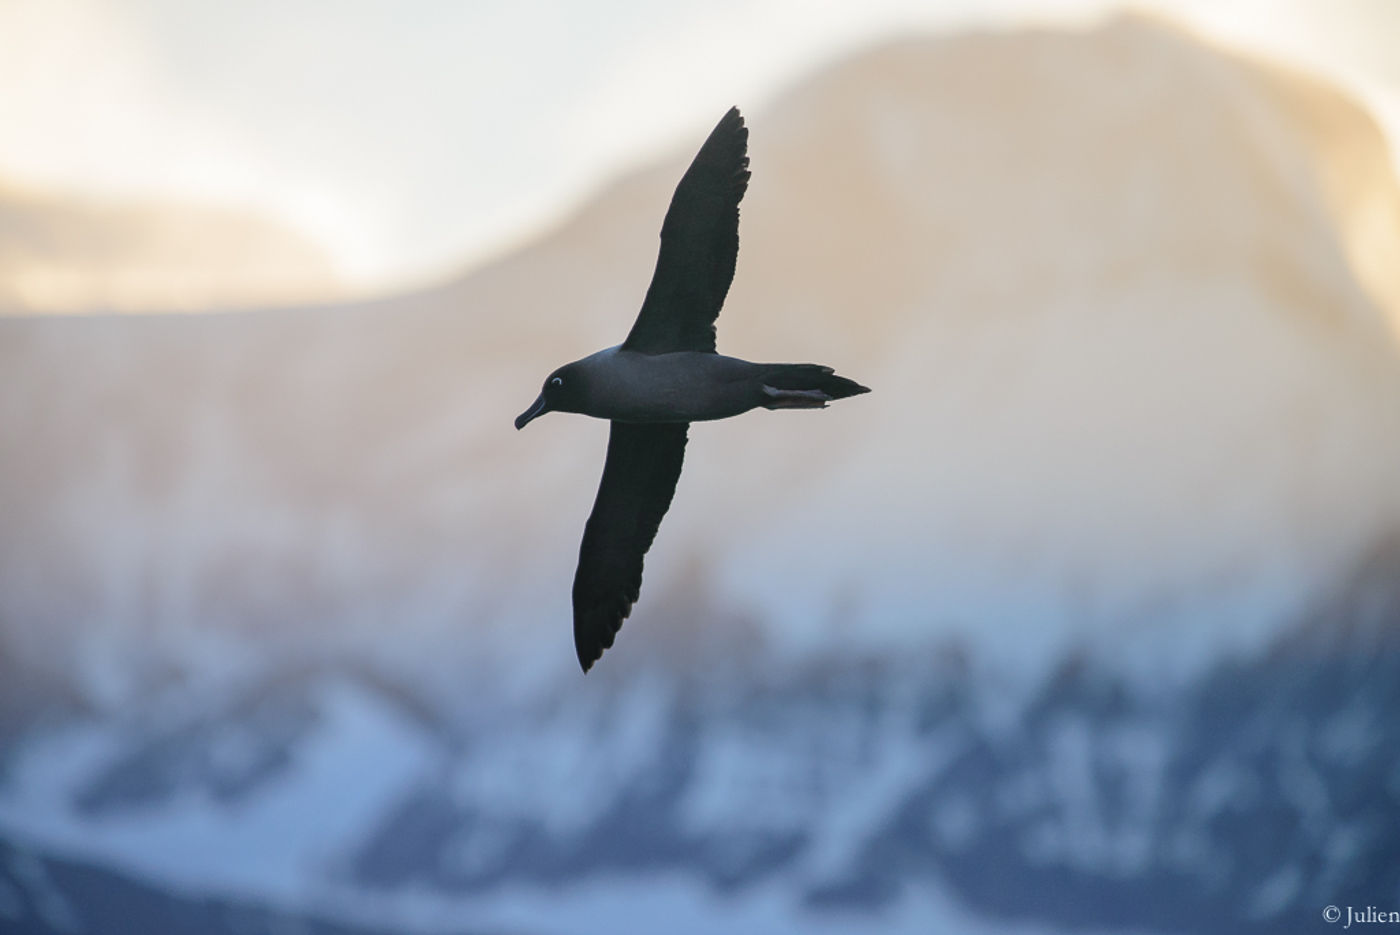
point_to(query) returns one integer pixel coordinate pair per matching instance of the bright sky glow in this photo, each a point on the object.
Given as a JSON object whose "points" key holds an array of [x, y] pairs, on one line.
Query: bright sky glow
{"points": [[411, 138]]}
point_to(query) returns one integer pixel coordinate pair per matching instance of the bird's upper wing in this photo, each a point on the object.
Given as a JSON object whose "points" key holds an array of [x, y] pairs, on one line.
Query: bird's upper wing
{"points": [[699, 245], [639, 478]]}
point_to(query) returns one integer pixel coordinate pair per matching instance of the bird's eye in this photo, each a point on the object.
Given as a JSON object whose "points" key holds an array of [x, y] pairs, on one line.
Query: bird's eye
{"points": [[557, 381]]}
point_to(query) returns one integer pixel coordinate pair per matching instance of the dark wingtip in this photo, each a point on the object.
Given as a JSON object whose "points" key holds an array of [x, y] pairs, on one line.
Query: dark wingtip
{"points": [[733, 123], [591, 648]]}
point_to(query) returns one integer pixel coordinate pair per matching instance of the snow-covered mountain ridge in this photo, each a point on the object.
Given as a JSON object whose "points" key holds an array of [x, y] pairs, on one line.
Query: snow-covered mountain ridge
{"points": [[851, 788]]}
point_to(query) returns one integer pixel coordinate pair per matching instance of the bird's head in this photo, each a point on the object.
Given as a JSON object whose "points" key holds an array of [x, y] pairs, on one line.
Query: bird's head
{"points": [[562, 392]]}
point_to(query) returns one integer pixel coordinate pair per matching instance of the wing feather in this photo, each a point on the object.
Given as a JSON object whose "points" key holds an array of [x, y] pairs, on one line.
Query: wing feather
{"points": [[699, 247], [639, 479]]}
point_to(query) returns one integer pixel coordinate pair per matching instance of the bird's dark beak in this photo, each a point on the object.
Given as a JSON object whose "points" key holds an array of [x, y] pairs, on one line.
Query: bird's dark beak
{"points": [[538, 408]]}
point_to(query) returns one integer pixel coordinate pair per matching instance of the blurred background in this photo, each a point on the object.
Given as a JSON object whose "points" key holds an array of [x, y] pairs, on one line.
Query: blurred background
{"points": [[1087, 619]]}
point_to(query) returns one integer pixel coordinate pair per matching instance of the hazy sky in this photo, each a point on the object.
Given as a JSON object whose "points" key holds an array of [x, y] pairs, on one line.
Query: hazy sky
{"points": [[412, 137]]}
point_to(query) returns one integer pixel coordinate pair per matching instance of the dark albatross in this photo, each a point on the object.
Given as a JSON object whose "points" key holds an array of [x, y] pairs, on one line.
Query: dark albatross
{"points": [[665, 376]]}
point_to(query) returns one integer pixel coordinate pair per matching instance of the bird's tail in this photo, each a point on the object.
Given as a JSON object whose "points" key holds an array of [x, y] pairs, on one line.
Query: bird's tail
{"points": [[805, 386]]}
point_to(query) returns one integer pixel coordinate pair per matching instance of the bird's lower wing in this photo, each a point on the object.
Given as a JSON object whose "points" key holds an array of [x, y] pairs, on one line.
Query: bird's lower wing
{"points": [[639, 479]]}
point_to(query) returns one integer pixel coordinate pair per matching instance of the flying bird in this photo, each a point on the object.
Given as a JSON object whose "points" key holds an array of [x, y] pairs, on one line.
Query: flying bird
{"points": [[663, 377]]}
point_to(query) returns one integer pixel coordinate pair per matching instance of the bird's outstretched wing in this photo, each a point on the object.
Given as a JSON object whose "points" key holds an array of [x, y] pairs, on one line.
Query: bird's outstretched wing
{"points": [[699, 246], [639, 479]]}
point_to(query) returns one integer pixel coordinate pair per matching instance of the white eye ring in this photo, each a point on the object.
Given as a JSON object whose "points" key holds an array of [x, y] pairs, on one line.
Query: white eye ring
{"points": [[557, 381]]}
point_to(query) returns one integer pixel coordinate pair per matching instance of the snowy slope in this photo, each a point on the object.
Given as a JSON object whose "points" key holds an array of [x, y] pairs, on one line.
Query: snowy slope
{"points": [[839, 795]]}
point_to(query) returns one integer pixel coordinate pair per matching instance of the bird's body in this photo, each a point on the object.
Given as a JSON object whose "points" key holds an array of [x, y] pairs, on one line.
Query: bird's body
{"points": [[686, 386], [663, 377]]}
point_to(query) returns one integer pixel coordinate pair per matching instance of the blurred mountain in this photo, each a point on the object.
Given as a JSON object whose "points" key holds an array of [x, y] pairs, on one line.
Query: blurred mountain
{"points": [[1084, 620], [69, 253], [42, 895], [847, 793], [1123, 299]]}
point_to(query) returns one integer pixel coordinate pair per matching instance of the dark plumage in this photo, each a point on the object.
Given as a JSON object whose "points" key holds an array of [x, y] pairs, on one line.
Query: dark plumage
{"points": [[665, 376], [699, 247]]}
